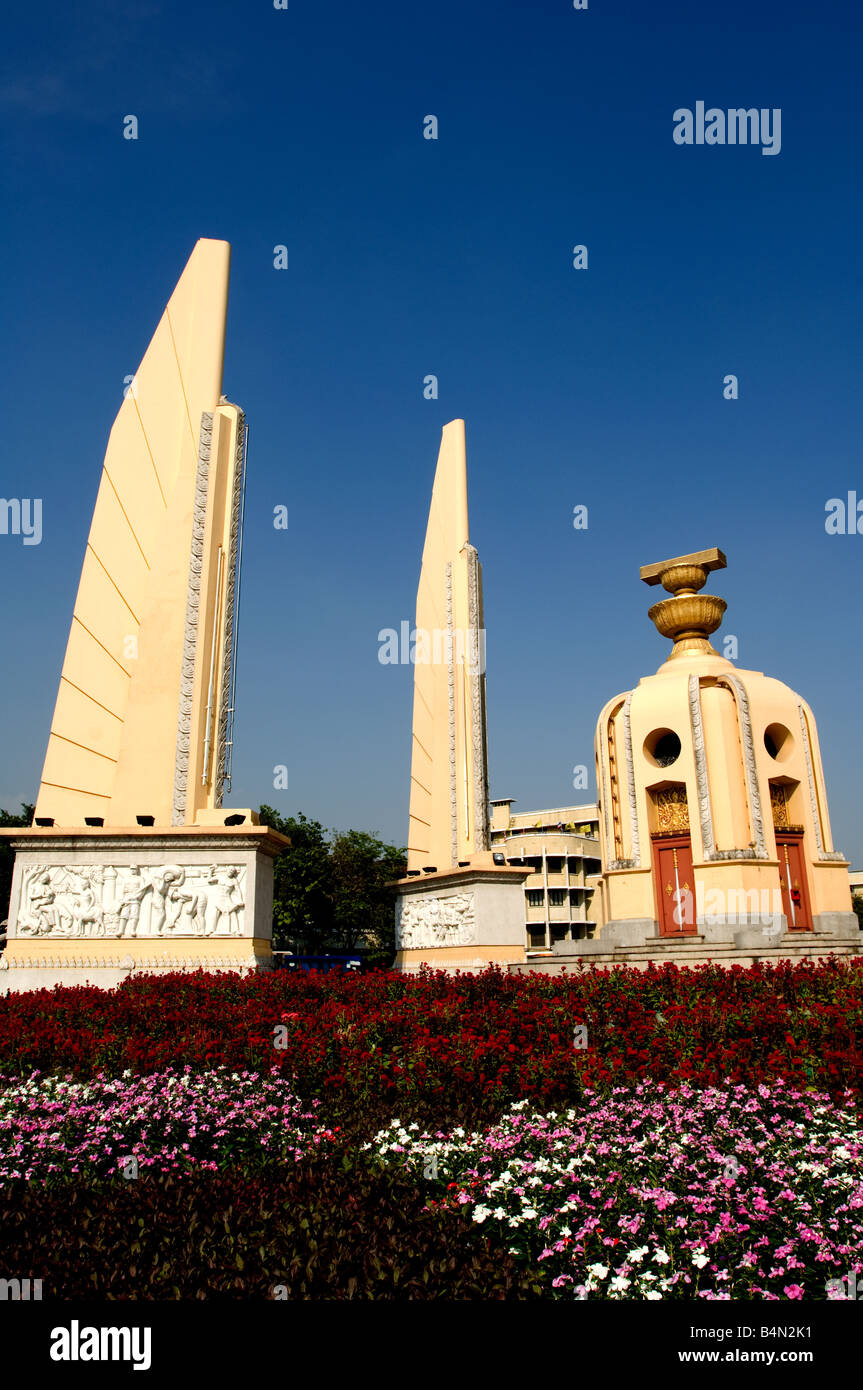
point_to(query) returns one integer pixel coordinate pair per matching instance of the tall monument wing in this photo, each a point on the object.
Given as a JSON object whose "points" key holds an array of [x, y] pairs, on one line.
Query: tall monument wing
{"points": [[140, 722], [449, 762]]}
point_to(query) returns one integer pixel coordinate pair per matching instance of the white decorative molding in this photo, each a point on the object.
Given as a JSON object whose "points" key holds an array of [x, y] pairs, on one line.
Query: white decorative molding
{"points": [[824, 854], [747, 744], [453, 795], [425, 922], [479, 747], [143, 965], [701, 780], [807, 753], [190, 635], [73, 901], [635, 846], [228, 673]]}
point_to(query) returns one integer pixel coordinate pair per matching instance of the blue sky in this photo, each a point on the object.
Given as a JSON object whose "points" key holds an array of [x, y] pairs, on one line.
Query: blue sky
{"points": [[453, 257]]}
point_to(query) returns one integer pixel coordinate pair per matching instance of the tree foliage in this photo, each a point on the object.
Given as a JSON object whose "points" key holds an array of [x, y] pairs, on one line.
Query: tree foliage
{"points": [[7, 855], [329, 889]]}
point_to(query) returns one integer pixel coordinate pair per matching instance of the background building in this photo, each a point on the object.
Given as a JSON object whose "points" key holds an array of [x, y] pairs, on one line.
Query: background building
{"points": [[562, 848]]}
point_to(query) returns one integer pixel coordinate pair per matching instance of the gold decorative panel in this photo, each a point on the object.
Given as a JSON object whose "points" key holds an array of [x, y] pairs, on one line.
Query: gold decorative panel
{"points": [[672, 810], [779, 803]]}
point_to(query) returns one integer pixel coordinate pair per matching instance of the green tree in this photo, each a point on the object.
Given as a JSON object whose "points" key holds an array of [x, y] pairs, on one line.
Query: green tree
{"points": [[302, 885], [363, 907], [329, 889], [857, 904], [7, 855]]}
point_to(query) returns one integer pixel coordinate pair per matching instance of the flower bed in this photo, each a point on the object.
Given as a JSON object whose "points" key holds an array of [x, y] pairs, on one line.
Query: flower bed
{"points": [[169, 1122], [661, 1192], [663, 1133], [457, 1049]]}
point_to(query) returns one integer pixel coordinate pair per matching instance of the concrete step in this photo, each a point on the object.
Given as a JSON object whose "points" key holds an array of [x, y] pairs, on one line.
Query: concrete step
{"points": [[695, 951]]}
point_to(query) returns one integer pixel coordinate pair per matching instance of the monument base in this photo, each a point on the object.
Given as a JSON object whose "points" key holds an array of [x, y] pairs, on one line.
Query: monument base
{"points": [[96, 906], [461, 919]]}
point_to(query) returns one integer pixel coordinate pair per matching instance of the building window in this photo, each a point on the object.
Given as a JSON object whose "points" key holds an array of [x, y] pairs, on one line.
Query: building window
{"points": [[557, 897], [535, 897], [555, 864]]}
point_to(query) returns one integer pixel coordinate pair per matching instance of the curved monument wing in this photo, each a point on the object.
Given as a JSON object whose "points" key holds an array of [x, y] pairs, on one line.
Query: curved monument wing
{"points": [[113, 750]]}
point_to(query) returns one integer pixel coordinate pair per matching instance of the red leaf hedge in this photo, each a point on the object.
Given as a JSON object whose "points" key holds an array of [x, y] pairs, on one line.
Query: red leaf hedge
{"points": [[316, 1231]]}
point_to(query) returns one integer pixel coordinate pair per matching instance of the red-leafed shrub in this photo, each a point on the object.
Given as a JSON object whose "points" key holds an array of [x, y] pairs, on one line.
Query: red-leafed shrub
{"points": [[323, 1229]]}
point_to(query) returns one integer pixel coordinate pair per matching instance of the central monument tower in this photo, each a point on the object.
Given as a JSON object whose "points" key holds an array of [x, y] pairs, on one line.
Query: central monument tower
{"points": [[460, 906], [449, 810], [714, 825]]}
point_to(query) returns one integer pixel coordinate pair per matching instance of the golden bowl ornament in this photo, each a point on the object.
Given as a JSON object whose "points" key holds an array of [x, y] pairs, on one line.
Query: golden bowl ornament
{"points": [[694, 615]]}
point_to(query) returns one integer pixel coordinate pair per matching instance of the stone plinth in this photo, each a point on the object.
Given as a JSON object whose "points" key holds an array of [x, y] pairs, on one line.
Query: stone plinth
{"points": [[95, 906], [461, 919]]}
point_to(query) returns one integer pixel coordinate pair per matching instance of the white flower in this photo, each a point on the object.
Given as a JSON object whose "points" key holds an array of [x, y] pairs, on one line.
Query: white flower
{"points": [[618, 1284], [598, 1271], [636, 1256], [652, 1294], [661, 1257], [699, 1259]]}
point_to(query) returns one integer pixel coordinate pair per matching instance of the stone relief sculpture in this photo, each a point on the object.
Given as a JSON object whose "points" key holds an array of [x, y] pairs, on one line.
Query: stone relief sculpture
{"points": [[130, 907], [226, 904], [426, 922], [163, 881], [127, 901]]}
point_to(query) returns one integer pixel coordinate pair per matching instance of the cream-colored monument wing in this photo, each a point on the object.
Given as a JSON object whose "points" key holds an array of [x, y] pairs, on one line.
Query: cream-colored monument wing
{"points": [[138, 719], [449, 773]]}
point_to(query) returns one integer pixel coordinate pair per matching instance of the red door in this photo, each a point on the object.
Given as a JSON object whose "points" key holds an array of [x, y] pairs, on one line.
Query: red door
{"points": [[675, 885], [792, 877]]}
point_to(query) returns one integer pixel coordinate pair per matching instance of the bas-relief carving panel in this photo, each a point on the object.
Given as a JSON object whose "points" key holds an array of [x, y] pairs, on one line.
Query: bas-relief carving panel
{"points": [[104, 900], [422, 923]]}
